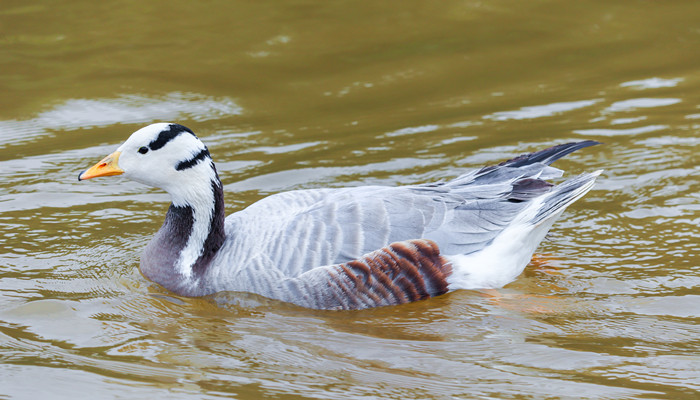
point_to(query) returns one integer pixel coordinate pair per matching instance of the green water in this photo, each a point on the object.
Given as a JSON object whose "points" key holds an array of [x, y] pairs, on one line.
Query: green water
{"points": [[301, 94]]}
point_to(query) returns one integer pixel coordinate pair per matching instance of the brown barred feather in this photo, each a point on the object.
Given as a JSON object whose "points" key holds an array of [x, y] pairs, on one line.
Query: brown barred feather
{"points": [[398, 273]]}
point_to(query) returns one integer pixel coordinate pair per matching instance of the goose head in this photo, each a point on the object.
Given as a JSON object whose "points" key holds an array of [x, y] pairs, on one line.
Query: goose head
{"points": [[163, 155], [170, 157]]}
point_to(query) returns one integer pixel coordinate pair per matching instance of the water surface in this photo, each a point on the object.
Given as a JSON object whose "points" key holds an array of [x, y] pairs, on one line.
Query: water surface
{"points": [[300, 94]]}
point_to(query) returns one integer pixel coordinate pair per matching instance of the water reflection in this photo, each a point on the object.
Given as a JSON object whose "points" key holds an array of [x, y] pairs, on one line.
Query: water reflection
{"points": [[125, 109], [634, 104], [652, 83], [546, 110], [621, 132], [333, 96]]}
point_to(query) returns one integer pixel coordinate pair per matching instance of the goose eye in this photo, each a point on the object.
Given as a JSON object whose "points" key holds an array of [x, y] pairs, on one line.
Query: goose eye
{"points": [[143, 150]]}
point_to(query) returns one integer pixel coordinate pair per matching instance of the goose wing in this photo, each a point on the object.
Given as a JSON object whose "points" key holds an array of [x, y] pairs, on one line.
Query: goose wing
{"points": [[294, 232], [297, 231]]}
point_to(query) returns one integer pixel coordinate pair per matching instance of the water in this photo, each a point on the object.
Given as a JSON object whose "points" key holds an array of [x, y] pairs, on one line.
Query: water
{"points": [[303, 94]]}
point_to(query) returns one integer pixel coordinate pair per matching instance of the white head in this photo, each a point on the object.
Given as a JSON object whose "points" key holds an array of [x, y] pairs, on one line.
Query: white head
{"points": [[163, 155]]}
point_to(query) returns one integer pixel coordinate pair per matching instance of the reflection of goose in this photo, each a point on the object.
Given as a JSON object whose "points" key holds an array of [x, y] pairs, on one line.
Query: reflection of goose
{"points": [[343, 248]]}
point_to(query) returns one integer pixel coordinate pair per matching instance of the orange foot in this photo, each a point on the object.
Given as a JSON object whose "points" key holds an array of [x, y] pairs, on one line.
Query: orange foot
{"points": [[545, 263], [526, 303], [532, 303]]}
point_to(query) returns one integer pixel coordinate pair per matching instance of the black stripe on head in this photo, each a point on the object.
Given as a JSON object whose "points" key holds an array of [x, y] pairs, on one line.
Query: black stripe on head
{"points": [[193, 161], [168, 134]]}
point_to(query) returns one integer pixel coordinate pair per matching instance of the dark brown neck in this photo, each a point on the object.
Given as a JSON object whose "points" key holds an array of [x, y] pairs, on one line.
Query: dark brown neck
{"points": [[162, 256]]}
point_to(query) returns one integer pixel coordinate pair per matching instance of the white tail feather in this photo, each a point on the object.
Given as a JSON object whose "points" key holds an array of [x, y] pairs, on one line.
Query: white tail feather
{"points": [[502, 260]]}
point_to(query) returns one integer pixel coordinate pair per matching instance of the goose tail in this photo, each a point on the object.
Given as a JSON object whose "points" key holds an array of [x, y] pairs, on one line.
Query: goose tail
{"points": [[549, 155], [505, 257], [563, 195]]}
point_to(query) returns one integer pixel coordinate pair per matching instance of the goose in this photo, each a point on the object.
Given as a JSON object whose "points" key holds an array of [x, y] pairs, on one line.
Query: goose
{"points": [[342, 248]]}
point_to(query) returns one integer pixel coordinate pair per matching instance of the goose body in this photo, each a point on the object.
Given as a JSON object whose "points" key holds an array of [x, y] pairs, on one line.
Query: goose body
{"points": [[346, 248]]}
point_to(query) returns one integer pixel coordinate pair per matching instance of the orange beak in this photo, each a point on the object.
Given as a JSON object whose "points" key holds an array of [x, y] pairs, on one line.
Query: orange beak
{"points": [[107, 167]]}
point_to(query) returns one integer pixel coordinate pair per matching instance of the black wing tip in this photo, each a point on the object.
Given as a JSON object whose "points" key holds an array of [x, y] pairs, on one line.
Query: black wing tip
{"points": [[548, 155], [582, 144]]}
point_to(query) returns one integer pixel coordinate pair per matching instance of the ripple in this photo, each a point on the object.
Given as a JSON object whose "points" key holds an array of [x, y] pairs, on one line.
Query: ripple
{"points": [[546, 110], [282, 149], [652, 83], [622, 121], [128, 108], [633, 104], [301, 177], [412, 130], [621, 132]]}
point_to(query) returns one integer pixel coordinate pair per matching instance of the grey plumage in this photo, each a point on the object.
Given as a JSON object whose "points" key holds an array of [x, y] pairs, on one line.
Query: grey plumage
{"points": [[349, 247], [291, 233]]}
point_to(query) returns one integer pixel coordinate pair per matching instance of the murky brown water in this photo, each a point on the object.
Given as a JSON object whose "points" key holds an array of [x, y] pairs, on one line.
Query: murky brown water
{"points": [[302, 94]]}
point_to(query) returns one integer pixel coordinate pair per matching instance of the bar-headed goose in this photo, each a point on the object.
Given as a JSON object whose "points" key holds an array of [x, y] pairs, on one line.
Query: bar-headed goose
{"points": [[346, 248]]}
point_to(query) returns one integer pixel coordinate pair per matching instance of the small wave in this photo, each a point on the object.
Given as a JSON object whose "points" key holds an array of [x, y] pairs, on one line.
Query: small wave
{"points": [[546, 110], [125, 109], [652, 83], [633, 104], [621, 132]]}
